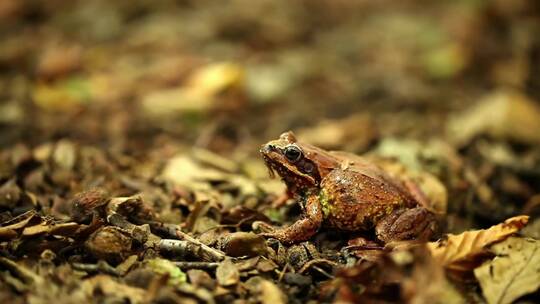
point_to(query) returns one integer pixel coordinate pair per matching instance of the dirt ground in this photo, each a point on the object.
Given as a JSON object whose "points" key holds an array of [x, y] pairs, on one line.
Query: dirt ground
{"points": [[130, 137]]}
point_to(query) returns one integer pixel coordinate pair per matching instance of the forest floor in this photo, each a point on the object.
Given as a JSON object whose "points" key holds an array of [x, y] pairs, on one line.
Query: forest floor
{"points": [[130, 133]]}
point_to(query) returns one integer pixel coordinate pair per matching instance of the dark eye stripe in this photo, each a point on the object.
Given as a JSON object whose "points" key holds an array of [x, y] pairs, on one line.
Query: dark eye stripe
{"points": [[308, 167]]}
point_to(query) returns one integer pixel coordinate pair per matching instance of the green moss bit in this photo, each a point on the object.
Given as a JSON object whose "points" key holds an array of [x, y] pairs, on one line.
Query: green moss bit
{"points": [[325, 203], [162, 266]]}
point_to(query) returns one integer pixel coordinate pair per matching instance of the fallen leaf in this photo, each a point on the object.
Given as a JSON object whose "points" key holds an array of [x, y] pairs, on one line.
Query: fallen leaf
{"points": [[502, 115], [460, 253], [214, 78], [270, 293], [243, 244], [65, 154], [102, 284], [109, 243], [65, 96], [227, 273], [183, 170], [428, 282], [514, 272], [342, 134], [62, 229]]}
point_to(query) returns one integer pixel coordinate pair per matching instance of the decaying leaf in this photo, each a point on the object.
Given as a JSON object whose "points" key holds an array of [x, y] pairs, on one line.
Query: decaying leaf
{"points": [[514, 272], [427, 282], [109, 243], [102, 284], [227, 273], [504, 115], [333, 134], [270, 293], [460, 252], [185, 171], [162, 266], [243, 244]]}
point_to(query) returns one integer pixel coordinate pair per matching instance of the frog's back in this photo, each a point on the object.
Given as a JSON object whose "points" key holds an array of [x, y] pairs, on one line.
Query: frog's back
{"points": [[354, 200]]}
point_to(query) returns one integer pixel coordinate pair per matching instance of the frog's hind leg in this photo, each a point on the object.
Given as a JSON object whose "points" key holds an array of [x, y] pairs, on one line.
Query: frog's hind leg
{"points": [[302, 229], [407, 224]]}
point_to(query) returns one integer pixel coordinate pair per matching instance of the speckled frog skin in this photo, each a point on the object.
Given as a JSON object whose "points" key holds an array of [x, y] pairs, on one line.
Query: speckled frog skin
{"points": [[346, 192]]}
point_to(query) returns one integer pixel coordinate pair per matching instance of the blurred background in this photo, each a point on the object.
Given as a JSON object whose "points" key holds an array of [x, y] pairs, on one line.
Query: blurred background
{"points": [[225, 74], [123, 122], [451, 87]]}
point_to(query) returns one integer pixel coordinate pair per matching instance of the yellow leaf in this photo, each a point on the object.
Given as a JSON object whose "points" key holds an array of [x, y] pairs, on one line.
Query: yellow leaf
{"points": [[514, 272], [461, 252], [215, 78]]}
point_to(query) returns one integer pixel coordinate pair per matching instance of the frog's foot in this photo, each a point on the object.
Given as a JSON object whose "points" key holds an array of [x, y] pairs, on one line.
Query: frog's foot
{"points": [[300, 231], [407, 224], [269, 231], [262, 227]]}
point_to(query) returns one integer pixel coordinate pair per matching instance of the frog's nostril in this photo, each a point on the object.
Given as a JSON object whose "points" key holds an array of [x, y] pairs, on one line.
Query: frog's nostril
{"points": [[266, 149]]}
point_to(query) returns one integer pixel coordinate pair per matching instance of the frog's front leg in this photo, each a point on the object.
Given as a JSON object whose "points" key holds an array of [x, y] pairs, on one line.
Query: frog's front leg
{"points": [[406, 224], [304, 228]]}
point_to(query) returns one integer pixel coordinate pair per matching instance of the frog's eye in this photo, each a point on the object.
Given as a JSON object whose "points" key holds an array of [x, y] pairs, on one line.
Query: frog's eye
{"points": [[293, 153]]}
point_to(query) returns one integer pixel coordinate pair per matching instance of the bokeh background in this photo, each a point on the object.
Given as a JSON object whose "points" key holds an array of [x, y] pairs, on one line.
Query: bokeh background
{"points": [[127, 122], [231, 74]]}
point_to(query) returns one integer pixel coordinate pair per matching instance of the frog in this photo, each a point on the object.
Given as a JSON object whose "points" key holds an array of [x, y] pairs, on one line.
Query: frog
{"points": [[347, 192]]}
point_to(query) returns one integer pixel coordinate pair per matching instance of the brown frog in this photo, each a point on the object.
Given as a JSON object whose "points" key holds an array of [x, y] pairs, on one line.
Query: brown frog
{"points": [[345, 191]]}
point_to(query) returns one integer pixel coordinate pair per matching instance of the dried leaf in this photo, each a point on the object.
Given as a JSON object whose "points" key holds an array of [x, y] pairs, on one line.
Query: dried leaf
{"points": [[214, 78], [9, 231], [161, 266], [183, 170], [502, 115], [457, 252], [270, 293], [514, 272], [102, 284], [227, 273], [243, 244], [109, 243], [63, 229], [427, 282], [65, 155]]}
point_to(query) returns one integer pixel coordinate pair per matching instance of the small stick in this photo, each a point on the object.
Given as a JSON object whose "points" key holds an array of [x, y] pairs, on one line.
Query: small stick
{"points": [[218, 255], [175, 231], [101, 266], [197, 265], [317, 261]]}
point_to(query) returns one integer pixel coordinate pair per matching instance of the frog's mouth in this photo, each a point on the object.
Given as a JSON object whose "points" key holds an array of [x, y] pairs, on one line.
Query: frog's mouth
{"points": [[288, 173]]}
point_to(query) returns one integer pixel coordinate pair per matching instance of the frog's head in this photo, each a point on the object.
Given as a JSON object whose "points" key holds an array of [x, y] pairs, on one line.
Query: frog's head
{"points": [[300, 165]]}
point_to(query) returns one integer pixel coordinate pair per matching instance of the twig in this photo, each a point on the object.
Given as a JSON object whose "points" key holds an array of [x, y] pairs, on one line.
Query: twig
{"points": [[218, 255], [197, 265], [317, 261], [209, 253], [282, 272], [100, 266]]}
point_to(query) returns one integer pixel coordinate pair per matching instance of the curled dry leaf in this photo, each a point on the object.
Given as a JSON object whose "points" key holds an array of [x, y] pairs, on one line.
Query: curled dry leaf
{"points": [[227, 273], [109, 243], [514, 272], [460, 253], [502, 115], [243, 244], [270, 293]]}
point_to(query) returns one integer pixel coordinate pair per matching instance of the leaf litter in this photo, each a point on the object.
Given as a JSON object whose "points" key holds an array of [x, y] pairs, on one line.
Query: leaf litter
{"points": [[129, 137]]}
